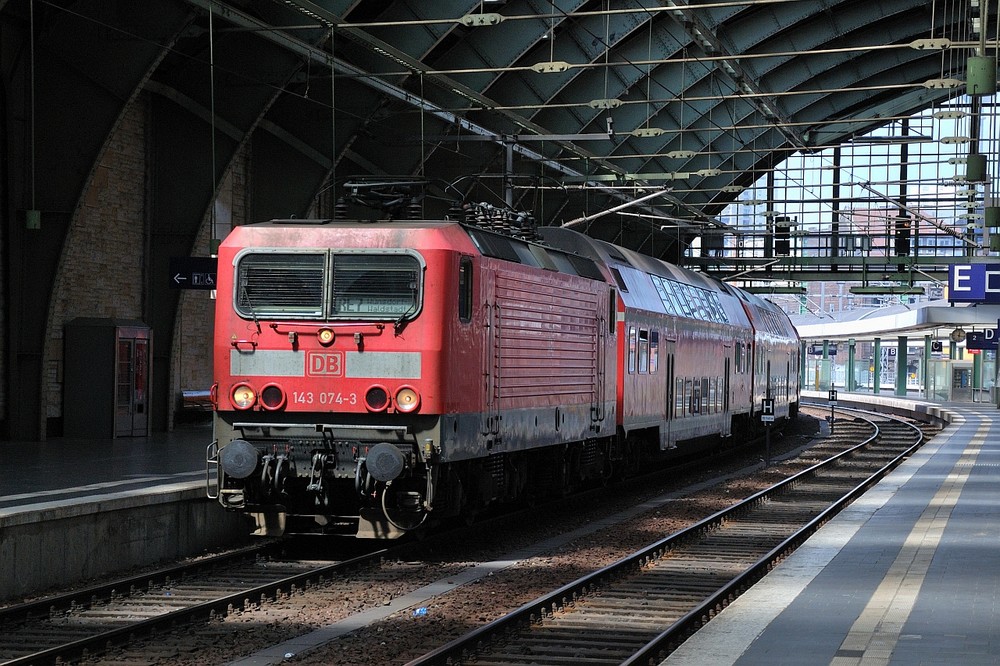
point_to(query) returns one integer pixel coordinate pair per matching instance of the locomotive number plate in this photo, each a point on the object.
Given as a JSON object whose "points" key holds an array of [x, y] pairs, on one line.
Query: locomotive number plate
{"points": [[325, 364], [324, 398]]}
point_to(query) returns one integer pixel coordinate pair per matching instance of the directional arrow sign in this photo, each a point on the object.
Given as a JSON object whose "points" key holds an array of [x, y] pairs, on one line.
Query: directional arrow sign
{"points": [[193, 272]]}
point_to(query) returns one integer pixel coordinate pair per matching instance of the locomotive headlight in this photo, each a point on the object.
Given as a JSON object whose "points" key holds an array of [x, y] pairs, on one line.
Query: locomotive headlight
{"points": [[407, 399], [325, 336], [272, 397], [243, 397]]}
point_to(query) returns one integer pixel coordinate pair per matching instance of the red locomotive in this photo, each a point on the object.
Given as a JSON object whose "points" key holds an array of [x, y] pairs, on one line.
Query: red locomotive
{"points": [[371, 376]]}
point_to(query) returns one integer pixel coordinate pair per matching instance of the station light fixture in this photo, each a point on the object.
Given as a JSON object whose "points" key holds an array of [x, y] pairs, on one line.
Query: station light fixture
{"points": [[775, 290], [887, 291]]}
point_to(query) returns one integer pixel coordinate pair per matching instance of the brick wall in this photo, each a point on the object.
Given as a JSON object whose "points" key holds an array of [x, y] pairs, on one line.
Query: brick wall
{"points": [[102, 269]]}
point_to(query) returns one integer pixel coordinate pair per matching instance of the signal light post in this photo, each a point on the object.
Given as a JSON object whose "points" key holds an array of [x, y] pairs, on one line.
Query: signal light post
{"points": [[767, 417], [833, 403]]}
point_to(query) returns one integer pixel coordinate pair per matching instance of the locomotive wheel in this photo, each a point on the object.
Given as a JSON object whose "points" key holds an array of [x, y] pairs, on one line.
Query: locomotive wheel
{"points": [[563, 478], [632, 457], [609, 472], [468, 516]]}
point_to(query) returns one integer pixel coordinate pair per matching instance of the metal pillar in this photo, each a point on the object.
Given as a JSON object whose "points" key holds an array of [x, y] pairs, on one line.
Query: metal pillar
{"points": [[852, 383], [926, 368], [977, 375], [825, 365], [901, 365], [877, 367], [803, 365]]}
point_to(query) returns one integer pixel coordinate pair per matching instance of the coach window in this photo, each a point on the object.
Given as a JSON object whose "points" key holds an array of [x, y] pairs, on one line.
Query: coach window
{"points": [[643, 351], [465, 289], [654, 350], [632, 342]]}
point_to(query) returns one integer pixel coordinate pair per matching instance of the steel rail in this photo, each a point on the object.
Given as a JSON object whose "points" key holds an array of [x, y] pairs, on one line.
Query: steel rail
{"points": [[224, 604], [670, 638], [468, 646]]}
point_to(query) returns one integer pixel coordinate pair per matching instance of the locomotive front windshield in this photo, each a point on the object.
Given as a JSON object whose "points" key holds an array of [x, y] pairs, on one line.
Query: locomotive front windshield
{"points": [[372, 285], [328, 285]]}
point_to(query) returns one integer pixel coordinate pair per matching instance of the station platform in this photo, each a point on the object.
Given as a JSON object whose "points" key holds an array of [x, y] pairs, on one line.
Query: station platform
{"points": [[908, 574], [62, 469], [75, 509]]}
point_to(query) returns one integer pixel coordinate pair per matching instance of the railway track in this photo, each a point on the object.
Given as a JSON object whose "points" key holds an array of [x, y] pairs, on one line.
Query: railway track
{"points": [[68, 627], [88, 622], [637, 610]]}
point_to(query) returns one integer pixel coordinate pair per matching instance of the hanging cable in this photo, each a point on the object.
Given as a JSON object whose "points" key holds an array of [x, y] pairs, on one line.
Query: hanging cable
{"points": [[211, 79], [332, 197], [32, 126]]}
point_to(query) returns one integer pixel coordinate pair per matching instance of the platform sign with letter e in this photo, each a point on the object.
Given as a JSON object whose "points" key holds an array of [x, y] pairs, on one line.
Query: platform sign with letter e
{"points": [[767, 416]]}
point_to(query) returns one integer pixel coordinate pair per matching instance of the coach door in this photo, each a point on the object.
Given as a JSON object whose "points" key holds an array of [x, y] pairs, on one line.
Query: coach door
{"points": [[666, 438], [727, 419], [597, 402]]}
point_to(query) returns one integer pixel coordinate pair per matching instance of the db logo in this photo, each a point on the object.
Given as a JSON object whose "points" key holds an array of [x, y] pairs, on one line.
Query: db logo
{"points": [[328, 364]]}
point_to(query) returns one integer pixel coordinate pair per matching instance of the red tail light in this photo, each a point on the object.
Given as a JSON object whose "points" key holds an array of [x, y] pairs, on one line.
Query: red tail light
{"points": [[376, 399], [272, 397]]}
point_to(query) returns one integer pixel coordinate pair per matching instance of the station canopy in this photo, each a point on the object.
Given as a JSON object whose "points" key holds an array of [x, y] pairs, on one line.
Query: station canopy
{"points": [[638, 122]]}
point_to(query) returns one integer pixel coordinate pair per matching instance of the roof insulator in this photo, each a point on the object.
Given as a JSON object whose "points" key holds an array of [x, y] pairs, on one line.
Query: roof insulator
{"points": [[610, 103], [477, 20], [553, 66], [942, 83], [927, 44]]}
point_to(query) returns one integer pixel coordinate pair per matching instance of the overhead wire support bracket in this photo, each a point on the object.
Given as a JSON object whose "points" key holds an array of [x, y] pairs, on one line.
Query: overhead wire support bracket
{"points": [[920, 216], [615, 209]]}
